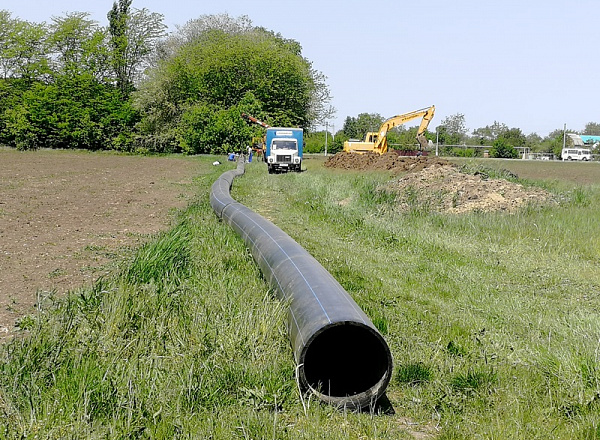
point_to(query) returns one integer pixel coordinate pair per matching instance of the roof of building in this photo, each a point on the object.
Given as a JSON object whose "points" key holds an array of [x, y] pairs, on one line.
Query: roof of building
{"points": [[589, 139], [577, 140]]}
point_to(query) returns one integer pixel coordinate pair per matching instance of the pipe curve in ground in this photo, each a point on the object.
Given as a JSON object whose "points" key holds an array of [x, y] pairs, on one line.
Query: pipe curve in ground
{"points": [[342, 358]]}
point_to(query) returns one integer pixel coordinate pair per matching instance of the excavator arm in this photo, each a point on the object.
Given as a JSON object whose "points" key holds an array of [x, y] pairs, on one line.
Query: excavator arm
{"points": [[394, 121], [427, 117], [254, 120], [258, 142], [376, 142]]}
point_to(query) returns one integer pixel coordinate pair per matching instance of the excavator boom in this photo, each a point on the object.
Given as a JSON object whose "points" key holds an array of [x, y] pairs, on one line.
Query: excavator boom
{"points": [[254, 120], [377, 142], [258, 142]]}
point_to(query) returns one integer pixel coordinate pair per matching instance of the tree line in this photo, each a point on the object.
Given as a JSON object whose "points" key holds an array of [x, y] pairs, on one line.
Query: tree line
{"points": [[130, 86], [452, 137]]}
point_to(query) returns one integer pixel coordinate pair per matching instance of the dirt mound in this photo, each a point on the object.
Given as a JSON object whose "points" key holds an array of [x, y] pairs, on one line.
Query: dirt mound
{"points": [[436, 184], [389, 161], [446, 189]]}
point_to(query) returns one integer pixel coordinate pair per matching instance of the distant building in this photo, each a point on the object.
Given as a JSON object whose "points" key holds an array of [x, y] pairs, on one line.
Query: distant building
{"points": [[594, 141], [575, 140]]}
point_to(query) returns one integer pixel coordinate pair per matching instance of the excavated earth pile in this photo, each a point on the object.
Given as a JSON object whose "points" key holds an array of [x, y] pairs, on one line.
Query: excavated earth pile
{"points": [[436, 184], [389, 161]]}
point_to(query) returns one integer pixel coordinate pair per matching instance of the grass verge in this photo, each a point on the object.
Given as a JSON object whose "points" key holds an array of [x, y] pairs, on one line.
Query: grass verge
{"points": [[492, 320]]}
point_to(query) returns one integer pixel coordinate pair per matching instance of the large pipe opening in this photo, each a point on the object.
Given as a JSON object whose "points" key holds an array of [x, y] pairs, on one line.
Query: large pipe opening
{"points": [[347, 359]]}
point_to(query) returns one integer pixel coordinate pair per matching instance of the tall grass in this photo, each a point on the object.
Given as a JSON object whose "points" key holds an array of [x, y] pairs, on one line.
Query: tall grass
{"points": [[498, 312], [492, 320]]}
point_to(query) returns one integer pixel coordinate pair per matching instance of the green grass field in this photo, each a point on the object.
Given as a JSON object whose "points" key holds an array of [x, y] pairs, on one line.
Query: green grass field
{"points": [[492, 319]]}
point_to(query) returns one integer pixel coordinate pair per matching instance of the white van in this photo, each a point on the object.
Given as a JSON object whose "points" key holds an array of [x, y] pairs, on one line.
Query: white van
{"points": [[576, 154]]}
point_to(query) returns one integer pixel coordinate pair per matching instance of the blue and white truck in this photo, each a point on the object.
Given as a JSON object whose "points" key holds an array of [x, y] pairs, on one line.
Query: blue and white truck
{"points": [[283, 149]]}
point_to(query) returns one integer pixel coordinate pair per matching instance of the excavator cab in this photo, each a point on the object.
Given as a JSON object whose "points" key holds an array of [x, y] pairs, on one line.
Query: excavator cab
{"points": [[372, 137]]}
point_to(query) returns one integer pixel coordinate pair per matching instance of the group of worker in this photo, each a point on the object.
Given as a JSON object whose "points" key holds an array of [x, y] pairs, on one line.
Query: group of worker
{"points": [[249, 151]]}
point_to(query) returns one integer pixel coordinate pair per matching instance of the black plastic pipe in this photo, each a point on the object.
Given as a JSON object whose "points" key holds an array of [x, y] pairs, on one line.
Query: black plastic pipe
{"points": [[342, 358]]}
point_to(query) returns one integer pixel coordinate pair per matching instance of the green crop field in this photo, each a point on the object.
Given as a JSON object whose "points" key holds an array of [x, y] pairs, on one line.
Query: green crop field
{"points": [[492, 319]]}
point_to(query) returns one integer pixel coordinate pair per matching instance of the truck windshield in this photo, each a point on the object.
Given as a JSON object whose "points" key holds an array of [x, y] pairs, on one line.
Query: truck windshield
{"points": [[284, 144]]}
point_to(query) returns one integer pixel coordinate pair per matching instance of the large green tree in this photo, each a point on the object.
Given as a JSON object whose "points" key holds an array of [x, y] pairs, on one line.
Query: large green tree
{"points": [[488, 134], [214, 69], [69, 84], [592, 129], [514, 137], [23, 61], [507, 142], [134, 36], [358, 127], [452, 130], [23, 52], [117, 26], [502, 149], [64, 96], [77, 45]]}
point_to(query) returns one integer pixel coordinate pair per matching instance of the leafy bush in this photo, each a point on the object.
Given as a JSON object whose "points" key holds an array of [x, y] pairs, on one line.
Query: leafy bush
{"points": [[72, 112], [463, 152], [209, 129], [502, 149]]}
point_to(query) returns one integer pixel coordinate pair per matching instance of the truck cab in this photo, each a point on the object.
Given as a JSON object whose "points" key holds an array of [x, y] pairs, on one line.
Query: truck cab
{"points": [[283, 149]]}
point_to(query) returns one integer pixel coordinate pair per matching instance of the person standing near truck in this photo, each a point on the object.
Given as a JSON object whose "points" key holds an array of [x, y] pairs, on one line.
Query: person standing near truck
{"points": [[249, 149]]}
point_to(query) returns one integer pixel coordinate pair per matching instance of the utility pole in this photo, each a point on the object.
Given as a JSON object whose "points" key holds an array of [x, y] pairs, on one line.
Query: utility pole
{"points": [[564, 136], [326, 128]]}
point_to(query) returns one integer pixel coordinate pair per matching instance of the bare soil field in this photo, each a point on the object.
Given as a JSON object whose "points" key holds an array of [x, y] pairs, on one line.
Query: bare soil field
{"points": [[66, 218]]}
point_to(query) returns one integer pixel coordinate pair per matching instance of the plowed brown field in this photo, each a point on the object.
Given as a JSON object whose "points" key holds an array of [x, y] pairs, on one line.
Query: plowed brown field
{"points": [[67, 217]]}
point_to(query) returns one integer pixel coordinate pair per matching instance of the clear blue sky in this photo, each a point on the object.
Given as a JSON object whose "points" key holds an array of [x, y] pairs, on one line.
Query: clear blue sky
{"points": [[528, 64]]}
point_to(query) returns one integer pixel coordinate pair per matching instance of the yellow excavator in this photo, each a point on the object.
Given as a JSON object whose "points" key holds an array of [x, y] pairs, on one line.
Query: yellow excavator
{"points": [[376, 142]]}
